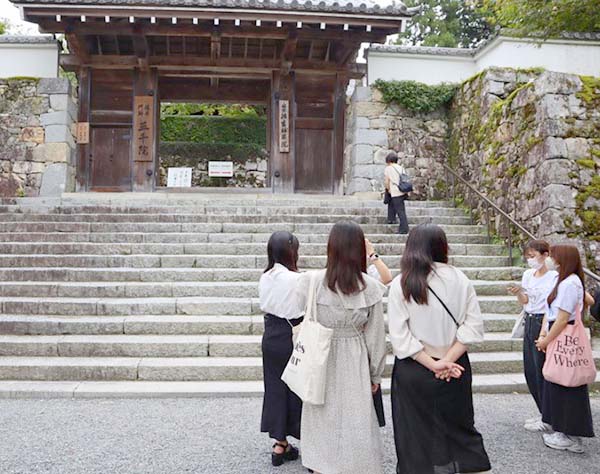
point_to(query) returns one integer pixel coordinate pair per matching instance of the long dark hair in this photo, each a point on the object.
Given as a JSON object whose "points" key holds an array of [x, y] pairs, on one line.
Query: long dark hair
{"points": [[346, 258], [569, 262], [426, 244], [283, 249]]}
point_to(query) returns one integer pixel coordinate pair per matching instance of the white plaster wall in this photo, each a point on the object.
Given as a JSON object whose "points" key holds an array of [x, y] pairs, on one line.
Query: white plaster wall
{"points": [[418, 67], [31, 60], [568, 56], [572, 57]]}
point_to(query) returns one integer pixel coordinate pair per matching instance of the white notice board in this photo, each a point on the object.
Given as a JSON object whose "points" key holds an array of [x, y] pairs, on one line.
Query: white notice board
{"points": [[179, 178], [220, 169]]}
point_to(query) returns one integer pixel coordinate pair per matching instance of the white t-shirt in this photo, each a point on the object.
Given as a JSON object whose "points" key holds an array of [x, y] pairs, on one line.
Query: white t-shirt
{"points": [[537, 290], [568, 297], [276, 291], [393, 173]]}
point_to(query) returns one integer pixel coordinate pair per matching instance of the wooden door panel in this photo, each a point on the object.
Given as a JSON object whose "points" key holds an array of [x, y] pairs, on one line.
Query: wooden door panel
{"points": [[314, 158], [111, 162]]}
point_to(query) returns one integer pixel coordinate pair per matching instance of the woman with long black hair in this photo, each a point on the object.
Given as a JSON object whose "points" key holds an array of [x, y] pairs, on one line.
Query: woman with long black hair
{"points": [[342, 436], [281, 407], [433, 316], [566, 409]]}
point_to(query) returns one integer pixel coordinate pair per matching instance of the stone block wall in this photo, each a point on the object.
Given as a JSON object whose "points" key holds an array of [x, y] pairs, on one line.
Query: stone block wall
{"points": [[530, 140], [375, 128], [37, 149]]}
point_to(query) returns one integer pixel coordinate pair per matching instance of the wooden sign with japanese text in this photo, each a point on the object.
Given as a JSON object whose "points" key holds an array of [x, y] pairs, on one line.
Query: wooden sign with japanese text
{"points": [[284, 126], [82, 133], [143, 128]]}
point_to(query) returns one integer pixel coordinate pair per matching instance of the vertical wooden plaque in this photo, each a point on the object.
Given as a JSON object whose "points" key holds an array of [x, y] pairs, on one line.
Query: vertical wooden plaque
{"points": [[284, 126], [143, 128]]}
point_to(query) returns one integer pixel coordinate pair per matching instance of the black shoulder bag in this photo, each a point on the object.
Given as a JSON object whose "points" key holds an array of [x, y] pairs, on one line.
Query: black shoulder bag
{"points": [[445, 307]]}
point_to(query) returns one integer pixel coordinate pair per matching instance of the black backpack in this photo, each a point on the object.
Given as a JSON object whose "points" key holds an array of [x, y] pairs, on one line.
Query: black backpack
{"points": [[404, 183]]}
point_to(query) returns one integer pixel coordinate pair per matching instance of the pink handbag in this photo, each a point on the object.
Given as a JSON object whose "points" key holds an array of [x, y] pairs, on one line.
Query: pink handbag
{"points": [[569, 358]]}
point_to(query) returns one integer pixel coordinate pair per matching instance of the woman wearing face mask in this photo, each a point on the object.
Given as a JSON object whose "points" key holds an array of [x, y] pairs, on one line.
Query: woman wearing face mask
{"points": [[536, 285], [566, 409]]}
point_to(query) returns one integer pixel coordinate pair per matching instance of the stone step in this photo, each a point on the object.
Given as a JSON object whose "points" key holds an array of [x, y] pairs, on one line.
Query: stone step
{"points": [[248, 289], [155, 227], [182, 305], [81, 389], [43, 325], [308, 249], [152, 345], [164, 211], [197, 261], [230, 219], [198, 238], [201, 369], [115, 274]]}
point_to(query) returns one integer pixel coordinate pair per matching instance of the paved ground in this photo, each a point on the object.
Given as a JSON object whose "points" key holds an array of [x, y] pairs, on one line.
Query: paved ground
{"points": [[220, 436]]}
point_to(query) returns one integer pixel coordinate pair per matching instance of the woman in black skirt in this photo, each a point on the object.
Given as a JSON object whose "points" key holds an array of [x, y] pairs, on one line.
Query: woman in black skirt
{"points": [[566, 409], [433, 316], [281, 407]]}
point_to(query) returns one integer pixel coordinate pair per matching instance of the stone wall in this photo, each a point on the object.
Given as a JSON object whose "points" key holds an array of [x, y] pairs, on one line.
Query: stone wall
{"points": [[36, 145], [250, 163], [375, 128], [530, 140]]}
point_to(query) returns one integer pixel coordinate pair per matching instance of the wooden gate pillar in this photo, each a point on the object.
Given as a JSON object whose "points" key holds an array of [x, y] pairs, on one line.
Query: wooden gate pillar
{"points": [[83, 115], [339, 132], [283, 113], [144, 136]]}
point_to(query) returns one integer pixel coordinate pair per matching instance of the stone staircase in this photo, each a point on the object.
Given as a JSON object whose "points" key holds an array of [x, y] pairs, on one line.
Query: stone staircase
{"points": [[146, 295]]}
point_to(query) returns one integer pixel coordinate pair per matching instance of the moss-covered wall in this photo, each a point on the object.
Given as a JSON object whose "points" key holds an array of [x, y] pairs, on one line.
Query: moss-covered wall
{"points": [[530, 140]]}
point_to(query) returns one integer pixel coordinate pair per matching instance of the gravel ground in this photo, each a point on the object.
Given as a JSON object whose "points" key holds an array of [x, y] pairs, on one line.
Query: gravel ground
{"points": [[221, 436]]}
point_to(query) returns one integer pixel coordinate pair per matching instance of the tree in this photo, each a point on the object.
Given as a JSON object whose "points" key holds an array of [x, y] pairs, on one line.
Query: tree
{"points": [[2, 27], [447, 23], [545, 18]]}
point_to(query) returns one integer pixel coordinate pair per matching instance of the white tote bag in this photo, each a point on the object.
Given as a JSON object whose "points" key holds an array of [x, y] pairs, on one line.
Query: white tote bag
{"points": [[306, 371], [518, 331]]}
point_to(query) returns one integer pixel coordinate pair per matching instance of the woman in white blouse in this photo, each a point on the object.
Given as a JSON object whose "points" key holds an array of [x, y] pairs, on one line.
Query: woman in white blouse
{"points": [[282, 409], [566, 409], [433, 316], [538, 282]]}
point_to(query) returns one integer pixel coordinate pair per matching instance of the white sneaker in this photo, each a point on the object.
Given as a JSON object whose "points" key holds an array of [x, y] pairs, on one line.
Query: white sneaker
{"points": [[562, 442], [538, 426]]}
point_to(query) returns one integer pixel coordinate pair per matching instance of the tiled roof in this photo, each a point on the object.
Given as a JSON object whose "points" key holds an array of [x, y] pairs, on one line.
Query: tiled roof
{"points": [[18, 39], [470, 52], [369, 7]]}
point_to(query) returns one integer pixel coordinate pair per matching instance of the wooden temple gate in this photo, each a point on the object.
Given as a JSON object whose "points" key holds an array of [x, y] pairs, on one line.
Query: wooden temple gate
{"points": [[296, 58]]}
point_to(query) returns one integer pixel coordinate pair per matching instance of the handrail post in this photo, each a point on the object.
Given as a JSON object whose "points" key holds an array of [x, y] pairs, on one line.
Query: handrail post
{"points": [[487, 221], [510, 250]]}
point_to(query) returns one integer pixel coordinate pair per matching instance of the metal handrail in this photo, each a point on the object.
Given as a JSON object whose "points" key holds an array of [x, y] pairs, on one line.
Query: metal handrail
{"points": [[489, 204]]}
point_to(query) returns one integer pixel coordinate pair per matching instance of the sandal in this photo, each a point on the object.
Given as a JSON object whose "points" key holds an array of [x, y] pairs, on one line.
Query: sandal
{"points": [[290, 453]]}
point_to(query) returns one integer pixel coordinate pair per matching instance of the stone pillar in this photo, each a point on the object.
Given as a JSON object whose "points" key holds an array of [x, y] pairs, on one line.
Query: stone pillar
{"points": [[59, 146]]}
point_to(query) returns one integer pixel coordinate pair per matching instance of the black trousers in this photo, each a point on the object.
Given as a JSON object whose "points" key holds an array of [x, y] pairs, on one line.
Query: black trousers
{"points": [[282, 408], [400, 211], [533, 360]]}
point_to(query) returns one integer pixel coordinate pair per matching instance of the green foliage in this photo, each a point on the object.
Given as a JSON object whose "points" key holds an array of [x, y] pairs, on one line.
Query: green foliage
{"points": [[213, 129], [590, 91], [189, 154], [589, 164], [447, 23], [543, 18], [416, 96], [243, 111], [589, 215], [2, 27]]}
